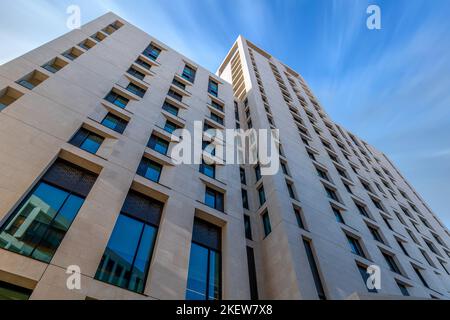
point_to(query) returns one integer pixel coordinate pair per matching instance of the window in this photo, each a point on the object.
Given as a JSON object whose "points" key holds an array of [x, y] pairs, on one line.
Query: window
{"points": [[261, 195], [204, 276], [170, 127], [114, 123], [98, 36], [311, 155], [258, 172], [143, 64], [322, 174], [170, 108], [32, 80], [314, 270], [217, 106], [244, 198], [137, 74], [338, 215], [10, 291], [402, 288], [427, 258], [87, 44], [72, 54], [242, 174], [365, 276], [420, 276], [216, 118], [150, 169], [214, 199], [179, 84], [252, 274], [86, 140], [188, 73], [331, 194], [375, 234], [158, 144], [355, 246], [248, 227], [135, 89], [175, 95], [8, 96], [362, 210], [391, 263], [402, 247], [208, 169], [38, 225], [127, 256], [266, 223], [213, 88], [54, 65], [284, 168], [291, 191], [152, 52], [377, 204], [431, 246], [299, 218], [347, 187], [117, 99]]}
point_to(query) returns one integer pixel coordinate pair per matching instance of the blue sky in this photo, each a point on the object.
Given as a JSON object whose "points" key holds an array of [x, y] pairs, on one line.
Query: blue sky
{"points": [[390, 86]]}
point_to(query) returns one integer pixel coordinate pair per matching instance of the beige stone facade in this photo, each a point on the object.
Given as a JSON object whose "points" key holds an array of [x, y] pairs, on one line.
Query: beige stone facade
{"points": [[36, 127]]}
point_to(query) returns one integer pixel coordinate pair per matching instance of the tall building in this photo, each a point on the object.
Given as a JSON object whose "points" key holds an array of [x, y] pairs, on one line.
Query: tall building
{"points": [[88, 188]]}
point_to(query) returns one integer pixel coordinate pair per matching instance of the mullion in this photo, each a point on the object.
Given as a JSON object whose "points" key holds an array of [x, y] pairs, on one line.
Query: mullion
{"points": [[136, 251], [50, 224]]}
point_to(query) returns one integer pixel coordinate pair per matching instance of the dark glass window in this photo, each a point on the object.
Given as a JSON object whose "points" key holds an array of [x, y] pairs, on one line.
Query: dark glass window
{"points": [[158, 144], [9, 291], [140, 92], [208, 169], [117, 99], [298, 216], [248, 227], [252, 274], [377, 204], [170, 126], [244, 198], [420, 276], [150, 169], [86, 140], [365, 276], [338, 215], [391, 263], [127, 256], [204, 276], [258, 172], [216, 118], [403, 289], [115, 123], [362, 210], [402, 247], [188, 73], [54, 65], [375, 234], [261, 195], [136, 73], [266, 223], [39, 224], [284, 168], [170, 108], [290, 190], [314, 270], [322, 174], [216, 105], [144, 64], [179, 84], [152, 52], [355, 246], [175, 95], [213, 88], [214, 199], [331, 194], [243, 178]]}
